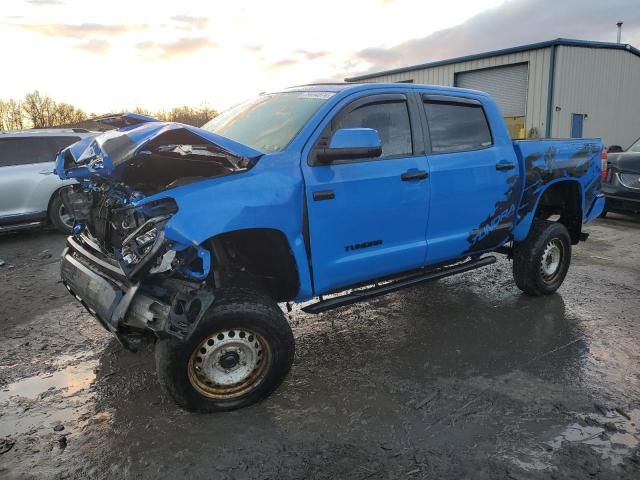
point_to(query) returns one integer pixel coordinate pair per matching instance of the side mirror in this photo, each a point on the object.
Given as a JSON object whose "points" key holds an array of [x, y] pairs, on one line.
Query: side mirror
{"points": [[351, 143], [615, 149]]}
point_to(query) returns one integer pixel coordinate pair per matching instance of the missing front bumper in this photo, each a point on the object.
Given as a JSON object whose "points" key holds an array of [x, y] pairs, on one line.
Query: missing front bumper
{"points": [[122, 307], [101, 297]]}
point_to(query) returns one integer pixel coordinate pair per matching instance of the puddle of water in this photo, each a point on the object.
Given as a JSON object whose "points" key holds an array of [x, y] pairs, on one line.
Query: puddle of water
{"points": [[42, 401], [72, 379], [73, 358], [15, 422], [612, 445], [609, 444]]}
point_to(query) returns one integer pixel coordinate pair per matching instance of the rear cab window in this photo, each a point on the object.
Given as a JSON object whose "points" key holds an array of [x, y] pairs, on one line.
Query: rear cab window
{"points": [[30, 150], [456, 124]]}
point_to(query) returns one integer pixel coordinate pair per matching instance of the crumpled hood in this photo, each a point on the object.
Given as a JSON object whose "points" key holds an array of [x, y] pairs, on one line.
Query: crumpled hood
{"points": [[101, 154]]}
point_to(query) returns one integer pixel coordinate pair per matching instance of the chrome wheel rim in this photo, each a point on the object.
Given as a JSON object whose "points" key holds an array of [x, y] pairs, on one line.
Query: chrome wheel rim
{"points": [[229, 363], [64, 216], [551, 261]]}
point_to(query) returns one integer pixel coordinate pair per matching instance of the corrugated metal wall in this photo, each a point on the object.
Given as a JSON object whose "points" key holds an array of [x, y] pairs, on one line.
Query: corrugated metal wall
{"points": [[507, 85], [605, 85], [538, 61]]}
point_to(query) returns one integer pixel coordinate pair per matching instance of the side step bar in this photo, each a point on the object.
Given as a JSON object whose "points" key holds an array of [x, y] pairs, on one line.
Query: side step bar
{"points": [[365, 294]]}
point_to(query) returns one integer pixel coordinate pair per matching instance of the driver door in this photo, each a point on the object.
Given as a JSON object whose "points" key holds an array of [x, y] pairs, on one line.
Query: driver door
{"points": [[367, 217]]}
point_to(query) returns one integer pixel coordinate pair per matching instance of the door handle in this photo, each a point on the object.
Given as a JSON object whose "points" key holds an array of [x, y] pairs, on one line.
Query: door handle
{"points": [[413, 175], [505, 166], [324, 195]]}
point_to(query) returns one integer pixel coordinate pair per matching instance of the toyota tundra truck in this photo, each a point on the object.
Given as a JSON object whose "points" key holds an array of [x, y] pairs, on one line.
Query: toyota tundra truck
{"points": [[324, 195]]}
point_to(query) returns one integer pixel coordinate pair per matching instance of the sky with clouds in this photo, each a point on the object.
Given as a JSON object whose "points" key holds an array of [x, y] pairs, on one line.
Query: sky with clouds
{"points": [[113, 55]]}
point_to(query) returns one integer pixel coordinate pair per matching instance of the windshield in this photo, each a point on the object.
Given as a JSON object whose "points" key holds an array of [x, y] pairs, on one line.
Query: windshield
{"points": [[635, 147], [268, 123]]}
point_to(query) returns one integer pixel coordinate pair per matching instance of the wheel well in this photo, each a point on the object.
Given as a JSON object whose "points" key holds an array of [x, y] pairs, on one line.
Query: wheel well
{"points": [[51, 199], [563, 199], [259, 258]]}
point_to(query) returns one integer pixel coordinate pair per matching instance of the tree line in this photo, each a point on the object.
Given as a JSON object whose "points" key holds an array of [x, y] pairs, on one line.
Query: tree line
{"points": [[36, 110]]}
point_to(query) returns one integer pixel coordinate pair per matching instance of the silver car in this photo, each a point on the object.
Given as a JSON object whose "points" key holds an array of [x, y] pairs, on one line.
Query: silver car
{"points": [[29, 191]]}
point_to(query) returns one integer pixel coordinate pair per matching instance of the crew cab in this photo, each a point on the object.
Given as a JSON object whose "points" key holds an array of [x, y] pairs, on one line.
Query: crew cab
{"points": [[192, 236]]}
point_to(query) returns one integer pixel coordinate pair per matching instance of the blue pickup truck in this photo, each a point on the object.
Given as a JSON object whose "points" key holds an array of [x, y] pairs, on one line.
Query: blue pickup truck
{"points": [[326, 194]]}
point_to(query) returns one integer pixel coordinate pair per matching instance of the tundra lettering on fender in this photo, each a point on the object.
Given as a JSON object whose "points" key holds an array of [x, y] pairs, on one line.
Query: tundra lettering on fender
{"points": [[358, 246], [191, 236]]}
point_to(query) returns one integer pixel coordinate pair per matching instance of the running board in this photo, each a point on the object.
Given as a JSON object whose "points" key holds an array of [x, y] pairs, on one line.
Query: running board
{"points": [[395, 285]]}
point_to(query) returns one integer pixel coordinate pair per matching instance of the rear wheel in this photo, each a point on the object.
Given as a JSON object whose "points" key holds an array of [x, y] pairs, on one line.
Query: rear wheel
{"points": [[240, 352], [59, 217], [541, 262]]}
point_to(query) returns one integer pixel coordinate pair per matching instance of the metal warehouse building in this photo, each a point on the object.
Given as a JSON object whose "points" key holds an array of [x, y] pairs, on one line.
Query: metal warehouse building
{"points": [[558, 88]]}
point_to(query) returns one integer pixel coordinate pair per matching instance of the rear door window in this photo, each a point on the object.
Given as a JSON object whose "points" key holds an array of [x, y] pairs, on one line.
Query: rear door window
{"points": [[457, 127], [28, 150]]}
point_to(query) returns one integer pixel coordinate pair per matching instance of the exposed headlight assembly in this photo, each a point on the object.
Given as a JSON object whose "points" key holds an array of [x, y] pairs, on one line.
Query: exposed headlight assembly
{"points": [[147, 242], [135, 249]]}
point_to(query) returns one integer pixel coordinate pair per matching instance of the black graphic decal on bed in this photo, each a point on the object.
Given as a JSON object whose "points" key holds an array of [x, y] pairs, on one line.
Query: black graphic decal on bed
{"points": [[541, 168]]}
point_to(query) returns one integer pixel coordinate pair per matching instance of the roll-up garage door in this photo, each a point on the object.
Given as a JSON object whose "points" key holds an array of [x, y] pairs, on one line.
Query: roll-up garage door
{"points": [[507, 86]]}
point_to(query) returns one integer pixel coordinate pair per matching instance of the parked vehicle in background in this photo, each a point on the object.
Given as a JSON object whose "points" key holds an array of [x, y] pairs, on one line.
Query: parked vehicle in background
{"points": [[189, 236], [29, 189], [621, 182]]}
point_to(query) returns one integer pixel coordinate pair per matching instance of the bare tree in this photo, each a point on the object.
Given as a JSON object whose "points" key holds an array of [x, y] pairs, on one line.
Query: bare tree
{"points": [[66, 113], [196, 116], [34, 108], [40, 111], [11, 115], [145, 111]]}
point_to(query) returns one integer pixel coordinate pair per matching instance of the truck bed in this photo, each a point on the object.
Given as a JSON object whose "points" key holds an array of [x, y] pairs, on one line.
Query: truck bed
{"points": [[551, 160]]}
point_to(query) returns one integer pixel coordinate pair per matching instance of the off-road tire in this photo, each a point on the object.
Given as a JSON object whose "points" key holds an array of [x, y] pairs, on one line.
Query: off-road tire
{"points": [[528, 258], [54, 215], [237, 309]]}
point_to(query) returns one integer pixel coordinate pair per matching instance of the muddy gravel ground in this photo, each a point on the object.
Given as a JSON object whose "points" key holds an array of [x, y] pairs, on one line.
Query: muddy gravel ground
{"points": [[463, 378]]}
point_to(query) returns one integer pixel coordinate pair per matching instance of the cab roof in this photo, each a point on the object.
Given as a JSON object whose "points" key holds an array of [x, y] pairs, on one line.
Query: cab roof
{"points": [[352, 87]]}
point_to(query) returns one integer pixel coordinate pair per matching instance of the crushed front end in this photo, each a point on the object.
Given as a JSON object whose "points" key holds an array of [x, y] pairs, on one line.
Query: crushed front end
{"points": [[124, 262], [121, 265]]}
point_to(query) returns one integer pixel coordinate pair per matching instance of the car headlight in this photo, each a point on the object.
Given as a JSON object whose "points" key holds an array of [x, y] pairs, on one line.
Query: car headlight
{"points": [[143, 244], [137, 249], [629, 180]]}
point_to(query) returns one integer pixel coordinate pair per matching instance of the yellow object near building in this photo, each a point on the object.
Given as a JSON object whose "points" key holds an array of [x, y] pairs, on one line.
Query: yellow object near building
{"points": [[515, 125]]}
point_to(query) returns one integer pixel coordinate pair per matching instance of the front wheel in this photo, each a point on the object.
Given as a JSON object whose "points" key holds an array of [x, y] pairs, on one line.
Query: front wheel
{"points": [[541, 262], [240, 352]]}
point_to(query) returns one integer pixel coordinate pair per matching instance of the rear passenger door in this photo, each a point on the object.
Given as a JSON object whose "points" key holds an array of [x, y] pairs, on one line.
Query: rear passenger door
{"points": [[474, 179], [26, 175], [367, 217]]}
